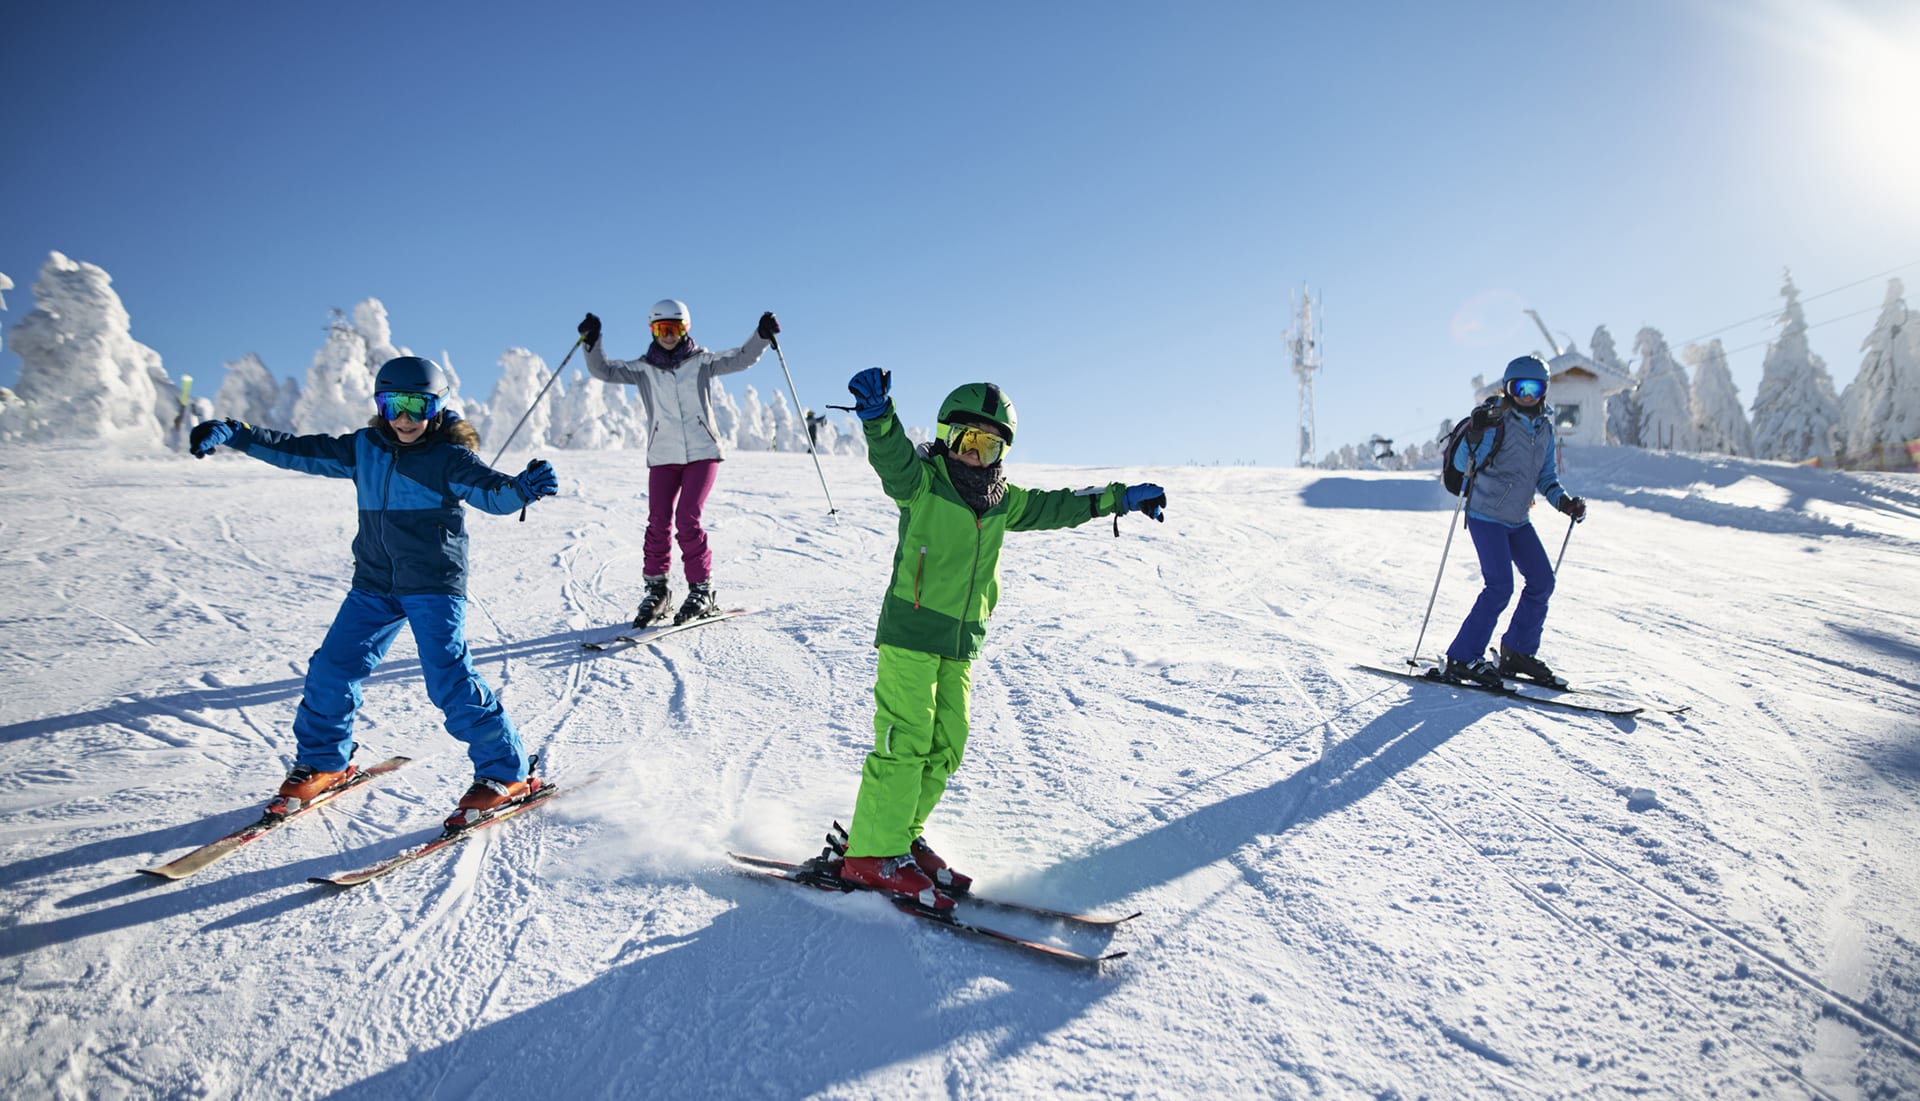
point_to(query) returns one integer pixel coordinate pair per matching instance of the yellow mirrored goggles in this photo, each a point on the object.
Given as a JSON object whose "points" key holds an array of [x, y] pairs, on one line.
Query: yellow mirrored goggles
{"points": [[988, 447]]}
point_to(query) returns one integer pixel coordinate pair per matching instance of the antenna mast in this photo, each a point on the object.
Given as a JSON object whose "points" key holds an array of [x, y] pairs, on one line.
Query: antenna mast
{"points": [[1303, 343]]}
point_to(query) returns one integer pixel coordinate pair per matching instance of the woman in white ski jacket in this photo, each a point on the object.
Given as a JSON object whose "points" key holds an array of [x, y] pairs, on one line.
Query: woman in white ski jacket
{"points": [[675, 379]]}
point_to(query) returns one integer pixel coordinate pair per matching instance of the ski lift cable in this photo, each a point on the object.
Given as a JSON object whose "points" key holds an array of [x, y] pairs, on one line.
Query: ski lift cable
{"points": [[1775, 313]]}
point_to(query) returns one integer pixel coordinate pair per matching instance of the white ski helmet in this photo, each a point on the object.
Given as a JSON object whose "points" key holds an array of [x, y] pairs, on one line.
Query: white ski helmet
{"points": [[668, 309]]}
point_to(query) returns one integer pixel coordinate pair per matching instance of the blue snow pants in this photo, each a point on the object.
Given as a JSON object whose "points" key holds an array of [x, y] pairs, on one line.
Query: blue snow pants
{"points": [[1502, 548], [361, 633]]}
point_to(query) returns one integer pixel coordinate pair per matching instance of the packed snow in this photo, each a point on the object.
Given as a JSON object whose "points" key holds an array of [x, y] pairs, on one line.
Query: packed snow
{"points": [[1349, 885]]}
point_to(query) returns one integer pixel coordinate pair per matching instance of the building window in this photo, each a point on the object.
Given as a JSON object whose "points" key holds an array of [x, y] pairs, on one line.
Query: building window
{"points": [[1566, 416]]}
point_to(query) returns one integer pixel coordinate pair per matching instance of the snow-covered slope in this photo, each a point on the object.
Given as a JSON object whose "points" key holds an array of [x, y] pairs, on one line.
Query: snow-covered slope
{"points": [[1352, 886]]}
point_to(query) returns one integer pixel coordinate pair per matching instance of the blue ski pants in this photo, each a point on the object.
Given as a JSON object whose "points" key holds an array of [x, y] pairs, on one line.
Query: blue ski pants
{"points": [[362, 631], [1501, 549]]}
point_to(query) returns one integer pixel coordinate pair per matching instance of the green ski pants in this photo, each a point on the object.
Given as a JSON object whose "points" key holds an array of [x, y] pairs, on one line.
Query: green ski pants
{"points": [[919, 734]]}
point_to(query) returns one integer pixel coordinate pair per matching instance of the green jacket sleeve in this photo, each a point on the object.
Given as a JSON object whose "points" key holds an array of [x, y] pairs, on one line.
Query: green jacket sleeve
{"points": [[891, 455], [1041, 509]]}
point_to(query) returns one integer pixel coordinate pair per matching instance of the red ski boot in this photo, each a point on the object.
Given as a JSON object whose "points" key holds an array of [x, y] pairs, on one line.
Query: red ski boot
{"points": [[896, 875], [943, 876]]}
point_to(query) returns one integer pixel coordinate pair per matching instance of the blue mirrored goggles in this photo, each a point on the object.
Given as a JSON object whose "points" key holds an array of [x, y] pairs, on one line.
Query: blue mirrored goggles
{"points": [[1522, 388], [421, 407]]}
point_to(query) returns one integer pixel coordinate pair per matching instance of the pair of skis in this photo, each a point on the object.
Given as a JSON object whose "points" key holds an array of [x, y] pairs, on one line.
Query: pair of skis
{"points": [[1575, 698], [822, 873], [226, 846], [636, 637]]}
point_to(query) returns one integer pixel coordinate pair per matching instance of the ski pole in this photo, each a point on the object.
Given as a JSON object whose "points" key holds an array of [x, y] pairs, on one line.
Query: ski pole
{"points": [[775, 341], [1563, 546], [1465, 491], [536, 404]]}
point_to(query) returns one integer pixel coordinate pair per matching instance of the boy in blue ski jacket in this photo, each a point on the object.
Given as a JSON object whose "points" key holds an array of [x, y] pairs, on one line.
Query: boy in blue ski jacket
{"points": [[1510, 453], [412, 466]]}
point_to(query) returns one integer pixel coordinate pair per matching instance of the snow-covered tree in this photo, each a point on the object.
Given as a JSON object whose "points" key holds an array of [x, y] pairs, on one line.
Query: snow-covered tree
{"points": [[580, 416], [1719, 420], [249, 392], [1882, 404], [1796, 415], [1665, 397], [338, 395], [81, 372], [755, 432], [522, 374], [789, 433], [726, 417], [1623, 408]]}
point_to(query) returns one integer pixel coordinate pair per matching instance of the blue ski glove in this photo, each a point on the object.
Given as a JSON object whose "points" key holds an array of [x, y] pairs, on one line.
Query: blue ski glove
{"points": [[207, 436], [869, 389], [537, 481], [1145, 497]]}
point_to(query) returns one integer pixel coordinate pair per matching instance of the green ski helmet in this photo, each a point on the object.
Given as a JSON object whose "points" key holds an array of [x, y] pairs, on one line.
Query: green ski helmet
{"points": [[978, 402]]}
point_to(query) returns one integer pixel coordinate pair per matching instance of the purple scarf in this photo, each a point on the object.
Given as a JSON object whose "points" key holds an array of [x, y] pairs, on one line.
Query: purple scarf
{"points": [[660, 357]]}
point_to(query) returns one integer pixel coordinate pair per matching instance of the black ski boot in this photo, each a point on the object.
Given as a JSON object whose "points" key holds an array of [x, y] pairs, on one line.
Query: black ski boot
{"points": [[700, 603], [1527, 667], [1479, 672], [654, 605]]}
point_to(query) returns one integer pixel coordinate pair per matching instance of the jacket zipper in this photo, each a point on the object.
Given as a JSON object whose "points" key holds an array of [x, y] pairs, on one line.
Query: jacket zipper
{"points": [[918, 569]]}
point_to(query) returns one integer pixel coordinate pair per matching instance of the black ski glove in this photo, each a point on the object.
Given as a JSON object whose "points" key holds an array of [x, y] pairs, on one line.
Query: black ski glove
{"points": [[768, 326], [1486, 416], [590, 331], [1574, 507]]}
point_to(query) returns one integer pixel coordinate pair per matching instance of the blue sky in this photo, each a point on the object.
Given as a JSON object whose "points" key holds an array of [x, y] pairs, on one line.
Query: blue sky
{"points": [[1104, 207]]}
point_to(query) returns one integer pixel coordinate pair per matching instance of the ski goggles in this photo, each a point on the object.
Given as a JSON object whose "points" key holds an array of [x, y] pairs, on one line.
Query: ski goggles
{"points": [[1524, 388], [962, 438], [421, 407], [669, 327]]}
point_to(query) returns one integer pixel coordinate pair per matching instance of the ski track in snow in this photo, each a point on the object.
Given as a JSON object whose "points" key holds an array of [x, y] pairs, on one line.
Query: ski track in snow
{"points": [[1351, 887]]}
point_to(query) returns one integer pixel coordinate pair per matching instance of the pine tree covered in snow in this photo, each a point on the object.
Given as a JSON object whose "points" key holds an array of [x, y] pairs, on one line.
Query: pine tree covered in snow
{"points": [[1623, 408], [1796, 414], [755, 431], [522, 374], [338, 395], [580, 415], [1719, 420], [82, 375], [1665, 397], [1882, 404], [250, 393], [789, 432]]}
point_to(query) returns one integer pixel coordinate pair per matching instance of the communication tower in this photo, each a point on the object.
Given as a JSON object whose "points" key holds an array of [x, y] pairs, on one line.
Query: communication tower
{"points": [[1303, 342]]}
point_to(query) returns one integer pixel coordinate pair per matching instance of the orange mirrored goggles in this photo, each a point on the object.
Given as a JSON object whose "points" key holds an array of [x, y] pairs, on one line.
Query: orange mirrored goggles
{"points": [[962, 438], [669, 327]]}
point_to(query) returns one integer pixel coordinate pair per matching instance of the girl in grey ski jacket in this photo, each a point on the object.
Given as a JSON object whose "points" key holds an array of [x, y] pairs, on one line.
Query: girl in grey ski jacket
{"points": [[676, 389]]}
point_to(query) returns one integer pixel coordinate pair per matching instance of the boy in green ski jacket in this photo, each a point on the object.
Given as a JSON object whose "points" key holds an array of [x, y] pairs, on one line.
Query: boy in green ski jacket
{"points": [[955, 507]]}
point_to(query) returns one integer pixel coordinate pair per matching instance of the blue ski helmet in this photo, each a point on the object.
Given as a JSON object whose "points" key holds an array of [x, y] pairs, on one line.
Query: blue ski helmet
{"points": [[1527, 366], [411, 375]]}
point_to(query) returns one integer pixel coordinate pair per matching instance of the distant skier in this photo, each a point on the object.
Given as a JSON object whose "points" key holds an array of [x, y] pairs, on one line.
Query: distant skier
{"points": [[411, 468], [955, 507], [675, 379], [1517, 430]]}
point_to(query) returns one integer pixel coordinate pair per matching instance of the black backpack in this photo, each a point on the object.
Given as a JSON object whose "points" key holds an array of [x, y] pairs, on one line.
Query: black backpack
{"points": [[1456, 480]]}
